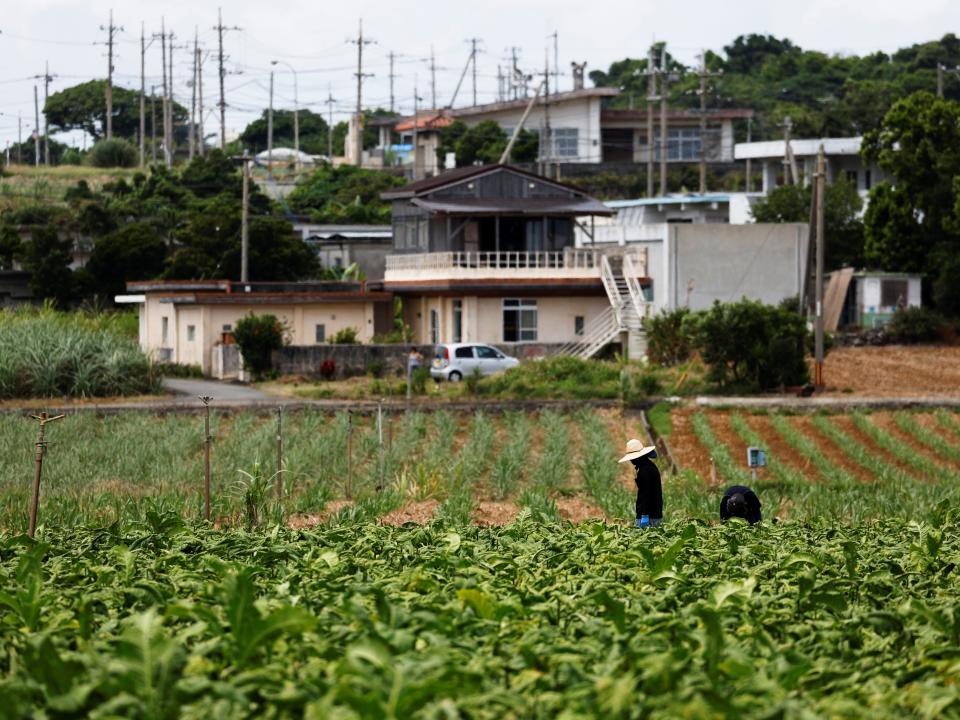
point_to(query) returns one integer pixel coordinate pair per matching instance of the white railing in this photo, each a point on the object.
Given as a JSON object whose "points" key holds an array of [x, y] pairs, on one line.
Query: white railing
{"points": [[601, 330], [610, 285], [631, 273], [566, 259]]}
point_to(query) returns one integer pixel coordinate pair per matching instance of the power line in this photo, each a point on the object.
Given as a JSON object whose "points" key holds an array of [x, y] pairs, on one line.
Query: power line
{"points": [[357, 149], [219, 27], [112, 31]]}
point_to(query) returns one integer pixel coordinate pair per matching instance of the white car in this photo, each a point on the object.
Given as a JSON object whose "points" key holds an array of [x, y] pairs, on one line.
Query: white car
{"points": [[455, 361]]}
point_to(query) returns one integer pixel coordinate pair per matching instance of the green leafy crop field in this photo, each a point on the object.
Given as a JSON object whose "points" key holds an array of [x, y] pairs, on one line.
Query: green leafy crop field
{"points": [[461, 589], [533, 620]]}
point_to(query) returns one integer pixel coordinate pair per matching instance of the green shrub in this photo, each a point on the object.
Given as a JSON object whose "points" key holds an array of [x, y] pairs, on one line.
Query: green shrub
{"points": [[179, 370], [667, 342], [916, 325], [346, 336], [258, 336], [44, 353], [747, 343], [418, 380], [558, 376], [113, 153], [376, 368]]}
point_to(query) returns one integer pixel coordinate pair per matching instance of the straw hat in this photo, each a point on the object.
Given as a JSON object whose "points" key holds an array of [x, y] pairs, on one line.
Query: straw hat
{"points": [[636, 449]]}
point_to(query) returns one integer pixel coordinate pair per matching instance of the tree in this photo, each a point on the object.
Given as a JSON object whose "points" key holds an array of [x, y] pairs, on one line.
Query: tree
{"points": [[258, 336], [10, 246], [134, 252], [344, 194], [47, 257], [911, 224], [313, 132], [843, 229], [84, 107]]}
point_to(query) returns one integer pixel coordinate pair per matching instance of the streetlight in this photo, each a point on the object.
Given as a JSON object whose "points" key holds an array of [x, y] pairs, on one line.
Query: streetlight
{"points": [[296, 115]]}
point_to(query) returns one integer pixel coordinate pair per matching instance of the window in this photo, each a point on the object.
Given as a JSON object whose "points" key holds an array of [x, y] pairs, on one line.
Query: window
{"points": [[458, 321], [683, 144], [578, 325], [852, 177], [464, 352], [487, 353], [191, 333], [165, 330], [893, 293], [565, 142], [320, 333], [519, 320], [227, 327], [434, 326], [867, 180]]}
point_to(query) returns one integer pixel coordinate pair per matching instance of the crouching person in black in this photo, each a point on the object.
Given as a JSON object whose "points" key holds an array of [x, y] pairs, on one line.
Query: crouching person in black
{"points": [[649, 490], [742, 502]]}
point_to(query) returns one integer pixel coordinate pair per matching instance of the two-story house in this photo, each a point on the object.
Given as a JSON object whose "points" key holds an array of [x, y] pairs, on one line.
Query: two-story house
{"points": [[487, 254]]}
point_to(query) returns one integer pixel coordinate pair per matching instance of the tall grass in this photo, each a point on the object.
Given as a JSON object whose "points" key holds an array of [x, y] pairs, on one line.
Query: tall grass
{"points": [[45, 353]]}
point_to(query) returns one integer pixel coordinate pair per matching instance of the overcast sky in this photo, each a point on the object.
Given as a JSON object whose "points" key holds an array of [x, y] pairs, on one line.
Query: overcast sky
{"points": [[312, 36]]}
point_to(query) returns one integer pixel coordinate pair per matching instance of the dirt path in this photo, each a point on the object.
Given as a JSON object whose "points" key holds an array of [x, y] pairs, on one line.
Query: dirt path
{"points": [[689, 453]]}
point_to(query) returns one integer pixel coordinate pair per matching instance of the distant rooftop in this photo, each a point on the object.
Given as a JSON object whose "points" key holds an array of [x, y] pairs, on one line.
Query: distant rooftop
{"points": [[687, 199], [808, 147]]}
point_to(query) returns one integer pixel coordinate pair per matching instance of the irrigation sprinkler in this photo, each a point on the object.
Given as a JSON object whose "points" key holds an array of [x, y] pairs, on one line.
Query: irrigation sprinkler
{"points": [[279, 454], [380, 439], [205, 399], [40, 449]]}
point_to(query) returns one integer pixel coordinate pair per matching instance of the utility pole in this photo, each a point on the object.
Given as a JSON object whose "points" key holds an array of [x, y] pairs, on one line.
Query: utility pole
{"points": [[201, 137], [473, 58], [270, 128], [193, 99], [547, 136], [329, 102], [516, 74], [143, 82], [36, 128], [163, 99], [223, 73], [556, 61], [939, 79], [818, 329], [749, 182], [358, 145], [790, 172], [703, 119], [651, 99], [170, 139], [433, 80], [153, 123], [111, 32], [19, 139], [245, 221], [392, 56], [416, 123], [47, 77], [664, 140]]}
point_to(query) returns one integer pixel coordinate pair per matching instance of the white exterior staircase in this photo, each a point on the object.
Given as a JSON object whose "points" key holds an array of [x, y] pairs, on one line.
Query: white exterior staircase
{"points": [[620, 273]]}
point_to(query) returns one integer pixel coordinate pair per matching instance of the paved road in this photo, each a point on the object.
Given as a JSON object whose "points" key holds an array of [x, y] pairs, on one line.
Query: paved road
{"points": [[217, 390]]}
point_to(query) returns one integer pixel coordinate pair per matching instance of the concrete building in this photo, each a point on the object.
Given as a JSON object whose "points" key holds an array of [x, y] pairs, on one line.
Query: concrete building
{"points": [[340, 246], [582, 131], [842, 160], [187, 322], [691, 264], [868, 299], [486, 254]]}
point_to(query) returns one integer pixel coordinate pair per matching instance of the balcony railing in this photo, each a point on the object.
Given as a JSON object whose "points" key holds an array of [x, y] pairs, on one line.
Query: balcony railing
{"points": [[569, 259]]}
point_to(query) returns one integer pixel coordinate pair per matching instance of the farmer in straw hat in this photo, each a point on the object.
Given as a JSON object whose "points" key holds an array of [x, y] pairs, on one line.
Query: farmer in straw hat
{"points": [[649, 492]]}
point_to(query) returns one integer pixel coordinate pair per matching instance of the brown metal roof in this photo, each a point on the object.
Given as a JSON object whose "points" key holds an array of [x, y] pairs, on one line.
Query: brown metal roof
{"points": [[458, 175], [618, 115], [518, 206]]}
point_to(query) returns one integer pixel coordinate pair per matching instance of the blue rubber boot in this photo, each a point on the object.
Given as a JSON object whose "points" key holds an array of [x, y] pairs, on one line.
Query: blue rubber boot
{"points": [[643, 521]]}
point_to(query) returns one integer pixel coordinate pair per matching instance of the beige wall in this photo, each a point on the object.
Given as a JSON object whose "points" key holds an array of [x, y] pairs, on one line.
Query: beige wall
{"points": [[208, 322], [482, 319]]}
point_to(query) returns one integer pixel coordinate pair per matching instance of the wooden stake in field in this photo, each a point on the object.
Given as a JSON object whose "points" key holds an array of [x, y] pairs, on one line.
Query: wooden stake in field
{"points": [[40, 449], [279, 454], [207, 440], [380, 437], [349, 489]]}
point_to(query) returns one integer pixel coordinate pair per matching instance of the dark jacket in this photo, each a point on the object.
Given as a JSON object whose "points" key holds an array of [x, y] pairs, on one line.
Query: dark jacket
{"points": [[753, 503], [649, 491]]}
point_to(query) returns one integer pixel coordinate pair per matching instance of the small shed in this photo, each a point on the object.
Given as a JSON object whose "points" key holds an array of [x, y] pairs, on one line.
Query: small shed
{"points": [[871, 298]]}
